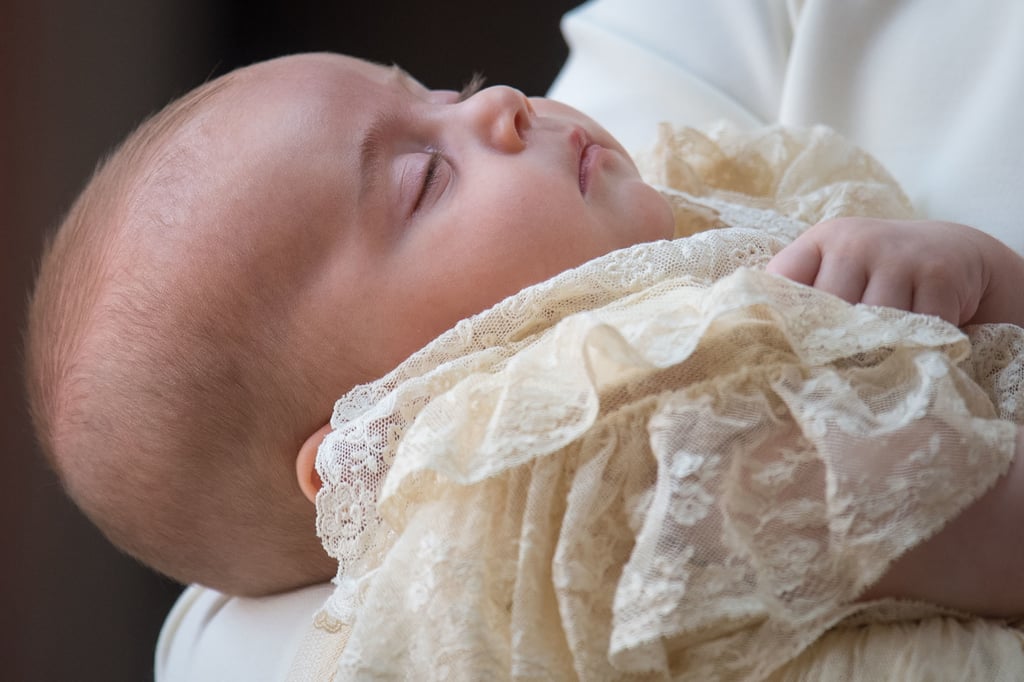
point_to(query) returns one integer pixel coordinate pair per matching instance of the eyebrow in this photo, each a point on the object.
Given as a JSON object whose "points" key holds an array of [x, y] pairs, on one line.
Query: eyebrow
{"points": [[373, 138], [371, 153]]}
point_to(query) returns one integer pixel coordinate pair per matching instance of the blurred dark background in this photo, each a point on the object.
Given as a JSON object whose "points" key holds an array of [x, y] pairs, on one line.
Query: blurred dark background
{"points": [[75, 77]]}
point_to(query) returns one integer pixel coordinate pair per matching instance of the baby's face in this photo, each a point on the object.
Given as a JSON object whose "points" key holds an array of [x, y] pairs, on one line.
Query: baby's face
{"points": [[392, 211]]}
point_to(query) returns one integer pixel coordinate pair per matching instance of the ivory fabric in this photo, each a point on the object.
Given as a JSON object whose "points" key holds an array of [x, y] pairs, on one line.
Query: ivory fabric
{"points": [[666, 463]]}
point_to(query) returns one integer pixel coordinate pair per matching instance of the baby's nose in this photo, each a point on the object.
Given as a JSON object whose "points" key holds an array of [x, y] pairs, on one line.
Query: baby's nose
{"points": [[502, 115]]}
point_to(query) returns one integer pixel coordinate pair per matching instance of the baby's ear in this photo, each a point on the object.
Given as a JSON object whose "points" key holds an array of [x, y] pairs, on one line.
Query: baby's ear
{"points": [[305, 464]]}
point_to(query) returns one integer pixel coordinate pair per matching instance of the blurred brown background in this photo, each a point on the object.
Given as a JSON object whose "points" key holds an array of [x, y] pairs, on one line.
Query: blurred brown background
{"points": [[75, 77]]}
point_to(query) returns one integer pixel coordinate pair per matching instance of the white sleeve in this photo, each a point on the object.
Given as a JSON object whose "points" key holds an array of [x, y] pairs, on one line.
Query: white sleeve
{"points": [[211, 637], [634, 63]]}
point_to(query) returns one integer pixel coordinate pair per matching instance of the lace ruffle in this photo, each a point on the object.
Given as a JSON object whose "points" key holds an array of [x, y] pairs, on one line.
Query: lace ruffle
{"points": [[713, 472], [664, 462]]}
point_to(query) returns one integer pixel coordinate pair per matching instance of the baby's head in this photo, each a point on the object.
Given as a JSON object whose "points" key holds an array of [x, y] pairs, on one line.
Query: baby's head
{"points": [[262, 245]]}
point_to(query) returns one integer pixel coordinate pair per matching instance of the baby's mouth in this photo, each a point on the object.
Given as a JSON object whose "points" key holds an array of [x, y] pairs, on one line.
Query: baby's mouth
{"points": [[586, 152], [587, 159]]}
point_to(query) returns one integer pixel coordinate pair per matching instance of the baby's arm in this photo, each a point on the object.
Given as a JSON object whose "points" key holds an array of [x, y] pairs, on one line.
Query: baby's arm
{"points": [[976, 562], [956, 272]]}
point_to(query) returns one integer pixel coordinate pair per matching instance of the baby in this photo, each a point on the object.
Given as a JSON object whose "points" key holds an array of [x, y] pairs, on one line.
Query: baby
{"points": [[306, 208], [300, 227]]}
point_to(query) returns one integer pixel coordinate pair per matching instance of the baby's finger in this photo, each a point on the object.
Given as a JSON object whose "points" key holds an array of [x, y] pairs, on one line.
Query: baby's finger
{"points": [[935, 301], [893, 290], [841, 277], [799, 261]]}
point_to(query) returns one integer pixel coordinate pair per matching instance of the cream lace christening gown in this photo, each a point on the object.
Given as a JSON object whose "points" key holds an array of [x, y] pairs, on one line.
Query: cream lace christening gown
{"points": [[668, 464]]}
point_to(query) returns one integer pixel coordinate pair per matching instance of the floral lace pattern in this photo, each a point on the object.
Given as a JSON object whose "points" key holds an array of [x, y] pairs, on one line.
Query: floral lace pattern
{"points": [[666, 463]]}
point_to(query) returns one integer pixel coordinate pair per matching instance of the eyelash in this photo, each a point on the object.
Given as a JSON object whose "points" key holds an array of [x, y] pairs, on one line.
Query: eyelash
{"points": [[472, 86], [429, 176]]}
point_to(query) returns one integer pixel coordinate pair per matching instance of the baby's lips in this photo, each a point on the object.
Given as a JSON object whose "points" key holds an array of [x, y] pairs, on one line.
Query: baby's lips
{"points": [[584, 151]]}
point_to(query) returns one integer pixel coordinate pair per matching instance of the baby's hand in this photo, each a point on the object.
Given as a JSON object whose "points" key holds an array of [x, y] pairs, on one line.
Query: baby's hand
{"points": [[956, 272]]}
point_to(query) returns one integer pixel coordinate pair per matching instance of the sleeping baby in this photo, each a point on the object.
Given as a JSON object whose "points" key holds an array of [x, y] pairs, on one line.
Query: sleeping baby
{"points": [[568, 444]]}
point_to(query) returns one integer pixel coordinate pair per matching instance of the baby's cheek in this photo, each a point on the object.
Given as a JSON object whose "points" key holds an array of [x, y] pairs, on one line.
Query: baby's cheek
{"points": [[647, 216], [663, 223]]}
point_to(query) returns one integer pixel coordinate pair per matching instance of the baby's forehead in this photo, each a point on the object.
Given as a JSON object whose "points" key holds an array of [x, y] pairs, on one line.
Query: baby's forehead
{"points": [[251, 157]]}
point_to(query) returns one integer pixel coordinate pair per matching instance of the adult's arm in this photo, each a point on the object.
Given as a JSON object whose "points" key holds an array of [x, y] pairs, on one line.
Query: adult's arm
{"points": [[212, 637], [635, 63]]}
